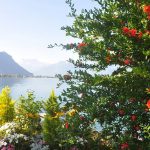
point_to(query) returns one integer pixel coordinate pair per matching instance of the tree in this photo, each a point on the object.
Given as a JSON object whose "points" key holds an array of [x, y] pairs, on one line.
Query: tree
{"points": [[7, 112], [51, 122], [27, 114], [117, 32]]}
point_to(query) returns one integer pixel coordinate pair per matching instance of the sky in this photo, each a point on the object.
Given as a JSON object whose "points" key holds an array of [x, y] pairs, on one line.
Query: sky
{"points": [[27, 27]]}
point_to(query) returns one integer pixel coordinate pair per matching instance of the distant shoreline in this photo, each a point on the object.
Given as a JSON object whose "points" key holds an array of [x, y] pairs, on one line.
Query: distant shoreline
{"points": [[23, 76]]}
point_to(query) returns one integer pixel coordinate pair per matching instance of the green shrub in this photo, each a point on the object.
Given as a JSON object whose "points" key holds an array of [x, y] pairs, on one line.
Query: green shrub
{"points": [[27, 114], [7, 112], [51, 123]]}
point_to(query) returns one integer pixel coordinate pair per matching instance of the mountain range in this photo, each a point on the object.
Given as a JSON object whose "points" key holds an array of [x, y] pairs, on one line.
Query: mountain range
{"points": [[10, 67], [40, 68]]}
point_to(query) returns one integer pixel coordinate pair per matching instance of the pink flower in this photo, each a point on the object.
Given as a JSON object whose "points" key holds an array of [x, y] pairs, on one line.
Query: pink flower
{"points": [[10, 147], [4, 148]]}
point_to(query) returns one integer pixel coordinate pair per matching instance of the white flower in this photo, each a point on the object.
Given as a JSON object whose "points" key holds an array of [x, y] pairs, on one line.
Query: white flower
{"points": [[2, 143], [38, 144], [45, 147], [81, 140], [25, 138], [15, 137], [8, 126]]}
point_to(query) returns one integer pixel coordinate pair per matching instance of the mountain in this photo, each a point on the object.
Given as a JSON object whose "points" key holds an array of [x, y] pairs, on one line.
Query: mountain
{"points": [[9, 66], [46, 69], [40, 68], [58, 68], [33, 65]]}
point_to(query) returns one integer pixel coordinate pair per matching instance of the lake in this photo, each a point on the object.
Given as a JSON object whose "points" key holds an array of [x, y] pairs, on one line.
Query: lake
{"points": [[41, 86]]}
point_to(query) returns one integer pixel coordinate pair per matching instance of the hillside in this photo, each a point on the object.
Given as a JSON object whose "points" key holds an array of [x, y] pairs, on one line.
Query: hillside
{"points": [[9, 66]]}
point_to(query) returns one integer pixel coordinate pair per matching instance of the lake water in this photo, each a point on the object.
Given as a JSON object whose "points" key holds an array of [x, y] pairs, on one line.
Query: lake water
{"points": [[41, 86]]}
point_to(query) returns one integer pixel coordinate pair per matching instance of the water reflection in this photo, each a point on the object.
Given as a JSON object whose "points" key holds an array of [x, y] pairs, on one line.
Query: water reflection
{"points": [[41, 86], [9, 81]]}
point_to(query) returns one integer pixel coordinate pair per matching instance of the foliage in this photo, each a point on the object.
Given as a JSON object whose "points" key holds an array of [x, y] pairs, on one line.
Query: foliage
{"points": [[52, 122], [27, 115], [116, 33], [77, 132], [6, 106]]}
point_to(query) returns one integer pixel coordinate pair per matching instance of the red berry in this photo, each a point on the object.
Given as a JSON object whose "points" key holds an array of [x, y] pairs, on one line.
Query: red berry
{"points": [[82, 118], [80, 45], [132, 100], [127, 62], [148, 104], [133, 32], [67, 77], [124, 146], [133, 117], [66, 125], [125, 30], [121, 112]]}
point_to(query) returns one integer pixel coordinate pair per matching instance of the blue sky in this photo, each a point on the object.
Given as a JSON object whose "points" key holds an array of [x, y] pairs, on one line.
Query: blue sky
{"points": [[28, 26]]}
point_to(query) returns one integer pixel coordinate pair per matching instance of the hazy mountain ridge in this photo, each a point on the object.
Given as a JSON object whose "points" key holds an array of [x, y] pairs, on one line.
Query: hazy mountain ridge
{"points": [[46, 69], [40, 68], [57, 68], [9, 66]]}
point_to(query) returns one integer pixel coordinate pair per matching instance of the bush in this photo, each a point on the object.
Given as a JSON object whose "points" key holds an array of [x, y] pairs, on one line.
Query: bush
{"points": [[52, 123], [7, 112], [27, 115]]}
